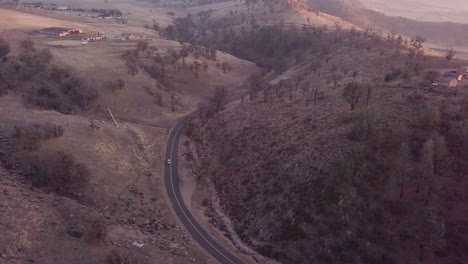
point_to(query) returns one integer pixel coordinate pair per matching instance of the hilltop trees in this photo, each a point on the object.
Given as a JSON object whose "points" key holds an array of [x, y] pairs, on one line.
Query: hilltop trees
{"points": [[52, 87]]}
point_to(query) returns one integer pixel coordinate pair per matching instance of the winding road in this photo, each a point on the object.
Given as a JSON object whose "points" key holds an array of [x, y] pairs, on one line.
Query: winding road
{"points": [[173, 191]]}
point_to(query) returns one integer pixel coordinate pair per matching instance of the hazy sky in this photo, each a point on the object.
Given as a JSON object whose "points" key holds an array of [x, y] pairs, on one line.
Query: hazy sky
{"points": [[426, 10]]}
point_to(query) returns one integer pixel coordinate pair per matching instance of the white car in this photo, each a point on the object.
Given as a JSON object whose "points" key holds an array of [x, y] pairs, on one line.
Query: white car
{"points": [[168, 161]]}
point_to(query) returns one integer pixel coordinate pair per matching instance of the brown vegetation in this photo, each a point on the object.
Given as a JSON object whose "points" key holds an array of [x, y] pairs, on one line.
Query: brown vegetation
{"points": [[42, 84], [374, 187]]}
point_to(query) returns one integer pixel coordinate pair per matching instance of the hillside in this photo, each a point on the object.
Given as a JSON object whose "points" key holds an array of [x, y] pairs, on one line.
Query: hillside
{"points": [[77, 188], [346, 146], [306, 179]]}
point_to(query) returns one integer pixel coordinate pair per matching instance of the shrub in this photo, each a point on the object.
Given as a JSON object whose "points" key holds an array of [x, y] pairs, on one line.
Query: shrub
{"points": [[120, 257], [353, 93], [431, 76], [431, 116], [142, 45], [27, 44], [98, 231], [58, 74], [364, 128], [395, 74], [61, 173], [4, 48], [30, 138], [79, 94]]}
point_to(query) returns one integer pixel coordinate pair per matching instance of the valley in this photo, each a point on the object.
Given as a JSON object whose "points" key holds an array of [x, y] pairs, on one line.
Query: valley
{"points": [[257, 131]]}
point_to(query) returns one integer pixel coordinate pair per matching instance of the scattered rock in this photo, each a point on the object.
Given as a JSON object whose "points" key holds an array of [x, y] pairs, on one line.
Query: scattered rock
{"points": [[137, 244]]}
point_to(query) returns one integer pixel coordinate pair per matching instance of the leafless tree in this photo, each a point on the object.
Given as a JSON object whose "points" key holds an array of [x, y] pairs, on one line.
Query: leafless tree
{"points": [[426, 171], [416, 50], [174, 98], [450, 54], [353, 93], [219, 97]]}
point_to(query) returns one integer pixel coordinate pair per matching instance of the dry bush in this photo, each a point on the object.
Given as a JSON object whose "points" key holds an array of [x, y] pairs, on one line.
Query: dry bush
{"points": [[346, 118], [56, 89], [4, 48], [393, 75], [30, 138], [415, 98], [58, 74], [432, 76], [98, 231], [60, 173], [431, 116], [27, 44], [123, 257], [364, 128], [218, 98], [354, 93]]}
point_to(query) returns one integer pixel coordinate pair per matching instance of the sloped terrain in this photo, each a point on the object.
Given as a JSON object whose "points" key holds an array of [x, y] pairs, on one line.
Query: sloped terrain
{"points": [[77, 187], [307, 182]]}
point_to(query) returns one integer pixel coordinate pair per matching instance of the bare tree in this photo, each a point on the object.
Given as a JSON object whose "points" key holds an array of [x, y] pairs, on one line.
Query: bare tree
{"points": [[120, 84], [440, 151], [158, 99], [255, 85], [369, 92], [426, 173], [353, 93], [431, 116], [316, 81], [432, 76], [174, 98], [403, 166], [398, 43], [450, 54], [219, 97], [417, 50], [335, 77], [132, 68]]}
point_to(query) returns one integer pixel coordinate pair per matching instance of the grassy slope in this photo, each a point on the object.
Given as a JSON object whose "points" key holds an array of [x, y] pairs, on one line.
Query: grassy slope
{"points": [[124, 161]]}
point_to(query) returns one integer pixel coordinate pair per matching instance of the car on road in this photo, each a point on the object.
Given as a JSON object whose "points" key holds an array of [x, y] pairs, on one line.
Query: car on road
{"points": [[168, 161]]}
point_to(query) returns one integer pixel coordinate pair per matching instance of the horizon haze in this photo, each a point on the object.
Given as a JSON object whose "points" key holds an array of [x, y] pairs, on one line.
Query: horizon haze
{"points": [[423, 10]]}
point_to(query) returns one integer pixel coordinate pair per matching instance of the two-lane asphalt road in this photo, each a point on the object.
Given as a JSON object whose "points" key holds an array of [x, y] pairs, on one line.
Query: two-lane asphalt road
{"points": [[173, 191]]}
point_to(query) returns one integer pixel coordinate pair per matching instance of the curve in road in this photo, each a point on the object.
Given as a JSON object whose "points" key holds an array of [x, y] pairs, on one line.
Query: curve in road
{"points": [[173, 191]]}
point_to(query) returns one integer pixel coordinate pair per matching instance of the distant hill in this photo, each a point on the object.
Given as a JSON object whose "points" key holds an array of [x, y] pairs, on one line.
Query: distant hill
{"points": [[423, 10], [448, 34]]}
